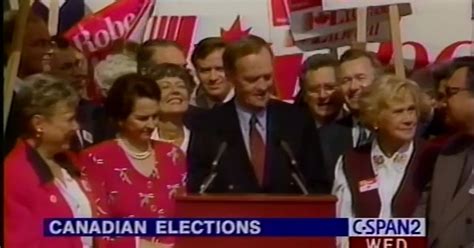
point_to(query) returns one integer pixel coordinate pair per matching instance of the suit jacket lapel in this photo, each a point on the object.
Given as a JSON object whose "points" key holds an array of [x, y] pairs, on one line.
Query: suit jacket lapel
{"points": [[271, 139], [449, 207], [346, 131], [233, 134], [460, 201]]}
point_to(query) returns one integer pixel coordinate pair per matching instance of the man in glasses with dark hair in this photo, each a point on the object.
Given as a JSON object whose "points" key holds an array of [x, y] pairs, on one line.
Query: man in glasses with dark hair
{"points": [[450, 213]]}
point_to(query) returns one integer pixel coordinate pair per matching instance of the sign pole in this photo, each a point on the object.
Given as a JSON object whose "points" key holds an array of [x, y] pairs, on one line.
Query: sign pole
{"points": [[472, 25], [53, 19], [361, 36], [13, 4], [333, 52], [14, 59], [394, 16]]}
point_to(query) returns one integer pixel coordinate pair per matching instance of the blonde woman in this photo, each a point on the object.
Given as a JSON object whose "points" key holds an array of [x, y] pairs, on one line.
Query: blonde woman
{"points": [[383, 179]]}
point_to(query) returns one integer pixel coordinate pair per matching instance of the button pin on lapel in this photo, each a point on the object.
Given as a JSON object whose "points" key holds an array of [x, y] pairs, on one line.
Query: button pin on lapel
{"points": [[53, 199]]}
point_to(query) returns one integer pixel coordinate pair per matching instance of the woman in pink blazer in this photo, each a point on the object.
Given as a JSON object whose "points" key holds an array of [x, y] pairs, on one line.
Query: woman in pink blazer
{"points": [[42, 178], [138, 176]]}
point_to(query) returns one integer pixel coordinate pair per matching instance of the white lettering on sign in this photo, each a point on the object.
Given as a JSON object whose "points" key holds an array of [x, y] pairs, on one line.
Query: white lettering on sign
{"points": [[103, 37]]}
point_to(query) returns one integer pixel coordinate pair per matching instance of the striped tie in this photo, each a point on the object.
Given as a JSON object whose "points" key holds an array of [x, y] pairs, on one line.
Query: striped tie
{"points": [[257, 150]]}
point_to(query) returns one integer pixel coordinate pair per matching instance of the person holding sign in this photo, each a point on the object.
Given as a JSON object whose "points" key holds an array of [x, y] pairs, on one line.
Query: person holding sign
{"points": [[381, 179]]}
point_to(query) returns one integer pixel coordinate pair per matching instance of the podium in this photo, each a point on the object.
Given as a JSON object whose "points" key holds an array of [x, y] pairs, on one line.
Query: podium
{"points": [[255, 206]]}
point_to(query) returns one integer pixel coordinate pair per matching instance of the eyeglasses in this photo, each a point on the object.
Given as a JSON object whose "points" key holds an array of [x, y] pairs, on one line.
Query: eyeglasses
{"points": [[451, 91]]}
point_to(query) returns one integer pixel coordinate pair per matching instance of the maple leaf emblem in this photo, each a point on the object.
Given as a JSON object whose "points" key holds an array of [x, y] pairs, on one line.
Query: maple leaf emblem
{"points": [[235, 32]]}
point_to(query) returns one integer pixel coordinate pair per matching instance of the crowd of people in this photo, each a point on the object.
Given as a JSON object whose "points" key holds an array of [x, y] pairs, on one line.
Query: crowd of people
{"points": [[384, 146]]}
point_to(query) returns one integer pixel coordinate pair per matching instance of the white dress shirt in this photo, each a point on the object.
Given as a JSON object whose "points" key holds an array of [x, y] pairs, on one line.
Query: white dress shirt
{"points": [[77, 201], [229, 96], [244, 122], [184, 145]]}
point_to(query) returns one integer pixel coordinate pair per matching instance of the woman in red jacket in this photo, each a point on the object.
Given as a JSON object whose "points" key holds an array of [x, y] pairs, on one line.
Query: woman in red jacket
{"points": [[139, 176], [42, 179]]}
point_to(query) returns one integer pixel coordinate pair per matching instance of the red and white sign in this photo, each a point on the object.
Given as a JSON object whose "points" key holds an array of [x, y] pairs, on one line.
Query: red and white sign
{"points": [[123, 19], [437, 30], [350, 4], [308, 20]]}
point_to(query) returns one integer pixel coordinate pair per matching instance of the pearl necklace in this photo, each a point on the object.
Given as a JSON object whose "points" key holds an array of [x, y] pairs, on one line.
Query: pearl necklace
{"points": [[136, 155]]}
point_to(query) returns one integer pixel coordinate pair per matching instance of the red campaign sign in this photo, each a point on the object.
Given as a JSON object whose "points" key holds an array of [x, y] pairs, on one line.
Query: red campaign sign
{"points": [[280, 13], [177, 28], [385, 52], [296, 5], [98, 31], [287, 69]]}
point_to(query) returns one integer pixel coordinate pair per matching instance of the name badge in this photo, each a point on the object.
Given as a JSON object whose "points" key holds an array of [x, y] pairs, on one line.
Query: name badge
{"points": [[368, 185]]}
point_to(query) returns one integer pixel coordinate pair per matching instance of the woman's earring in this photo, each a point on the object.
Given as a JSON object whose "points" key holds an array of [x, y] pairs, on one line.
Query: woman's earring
{"points": [[39, 132]]}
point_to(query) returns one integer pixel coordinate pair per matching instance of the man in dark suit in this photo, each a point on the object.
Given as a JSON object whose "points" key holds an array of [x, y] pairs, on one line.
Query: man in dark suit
{"points": [[69, 64], [319, 93], [357, 70], [254, 127], [35, 57], [214, 88], [451, 204]]}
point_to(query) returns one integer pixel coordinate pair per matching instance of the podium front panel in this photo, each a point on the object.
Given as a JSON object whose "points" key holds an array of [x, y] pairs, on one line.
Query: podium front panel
{"points": [[255, 206]]}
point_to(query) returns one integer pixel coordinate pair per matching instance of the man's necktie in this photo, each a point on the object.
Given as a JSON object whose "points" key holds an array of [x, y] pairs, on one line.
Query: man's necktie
{"points": [[257, 150]]}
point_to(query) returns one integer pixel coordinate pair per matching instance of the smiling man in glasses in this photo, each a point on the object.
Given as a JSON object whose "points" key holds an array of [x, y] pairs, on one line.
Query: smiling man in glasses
{"points": [[459, 93], [451, 215]]}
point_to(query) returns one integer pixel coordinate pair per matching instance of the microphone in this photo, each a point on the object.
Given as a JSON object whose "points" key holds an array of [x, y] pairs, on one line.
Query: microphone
{"points": [[295, 171], [220, 151], [210, 178]]}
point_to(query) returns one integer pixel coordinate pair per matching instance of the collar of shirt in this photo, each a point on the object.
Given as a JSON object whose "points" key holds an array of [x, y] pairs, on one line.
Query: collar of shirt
{"points": [[398, 161], [184, 146], [230, 95], [244, 119]]}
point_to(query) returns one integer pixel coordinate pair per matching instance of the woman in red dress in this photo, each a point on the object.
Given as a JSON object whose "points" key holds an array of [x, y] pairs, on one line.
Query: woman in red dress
{"points": [[42, 178], [139, 176]]}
